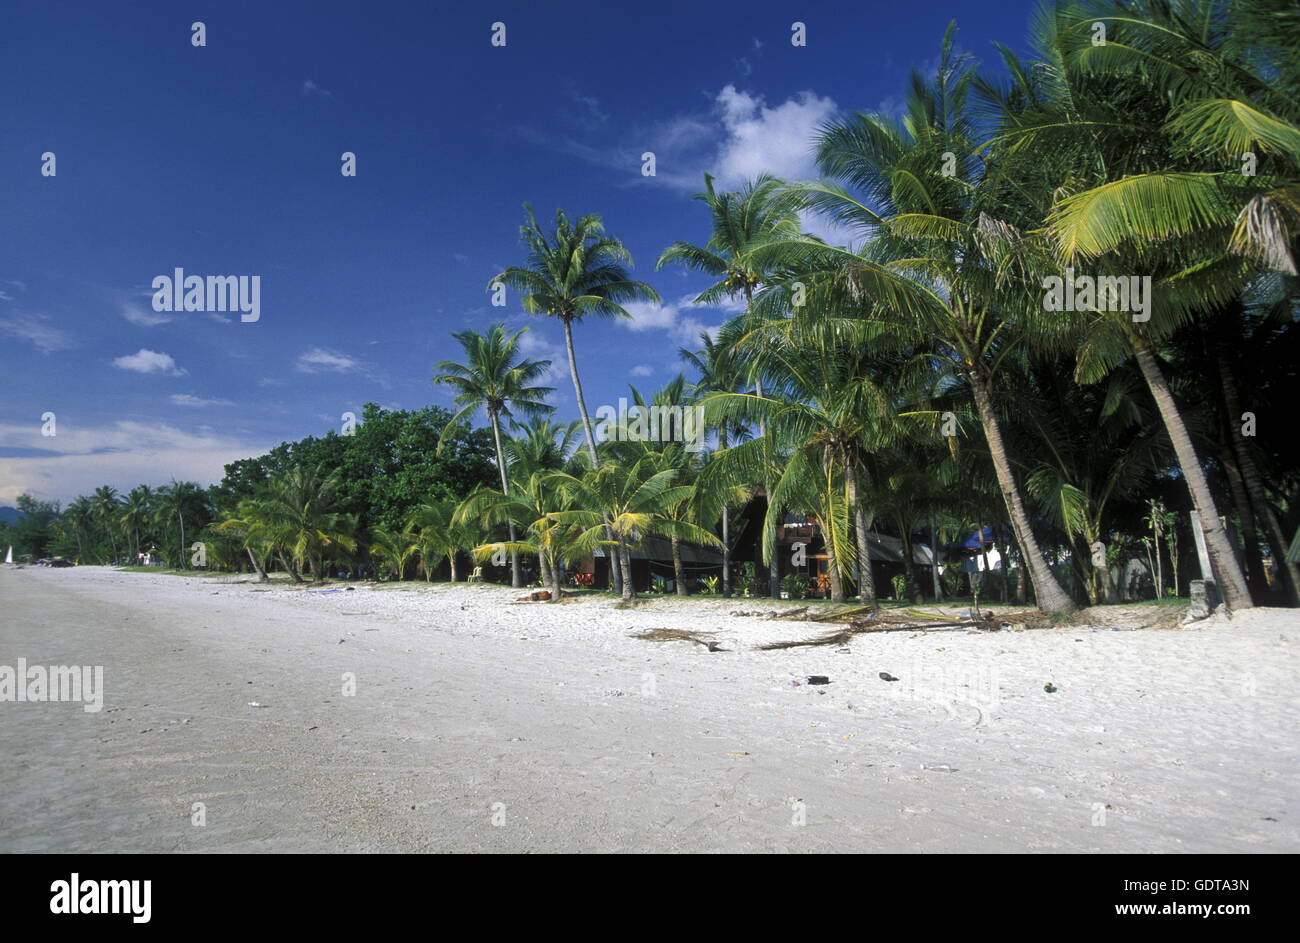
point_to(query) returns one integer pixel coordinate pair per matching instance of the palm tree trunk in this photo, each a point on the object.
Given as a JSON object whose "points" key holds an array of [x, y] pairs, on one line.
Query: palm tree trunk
{"points": [[289, 568], [1231, 582], [679, 572], [257, 567], [934, 563], [866, 579], [451, 562], [1255, 488], [1051, 597], [624, 563], [726, 553], [1256, 581], [515, 579], [556, 589], [544, 565], [616, 570], [837, 584]]}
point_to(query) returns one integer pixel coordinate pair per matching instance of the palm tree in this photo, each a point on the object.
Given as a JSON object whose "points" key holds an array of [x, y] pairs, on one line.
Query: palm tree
{"points": [[634, 501], [80, 515], [761, 215], [532, 504], [836, 405], [298, 516], [499, 380], [249, 523], [574, 272], [439, 534], [1181, 91], [720, 371], [177, 500], [392, 550], [938, 270], [137, 512], [107, 505]]}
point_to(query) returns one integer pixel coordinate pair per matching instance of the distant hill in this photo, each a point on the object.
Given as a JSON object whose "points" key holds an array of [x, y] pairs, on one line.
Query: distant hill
{"points": [[9, 515]]}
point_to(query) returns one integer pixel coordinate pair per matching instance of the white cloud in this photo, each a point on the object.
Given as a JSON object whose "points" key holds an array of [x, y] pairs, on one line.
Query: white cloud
{"points": [[642, 370], [683, 329], [142, 318], [534, 345], [121, 454], [149, 361], [185, 399], [37, 329], [776, 140], [320, 360], [310, 88]]}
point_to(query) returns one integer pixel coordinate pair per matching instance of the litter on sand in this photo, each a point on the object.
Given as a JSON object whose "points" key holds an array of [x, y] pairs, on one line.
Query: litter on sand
{"points": [[256, 704], [939, 767]]}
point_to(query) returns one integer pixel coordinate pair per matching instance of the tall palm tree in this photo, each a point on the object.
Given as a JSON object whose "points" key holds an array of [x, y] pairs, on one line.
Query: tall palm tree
{"points": [[107, 506], [137, 512], [763, 214], [177, 501], [498, 379], [80, 515], [938, 269], [1151, 133], [573, 272], [720, 371]]}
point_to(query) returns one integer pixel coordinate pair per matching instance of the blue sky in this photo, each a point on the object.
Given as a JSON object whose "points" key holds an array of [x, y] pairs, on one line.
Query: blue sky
{"points": [[225, 160]]}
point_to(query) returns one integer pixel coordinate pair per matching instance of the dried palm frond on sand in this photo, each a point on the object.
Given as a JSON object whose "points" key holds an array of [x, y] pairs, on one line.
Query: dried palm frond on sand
{"points": [[679, 635]]}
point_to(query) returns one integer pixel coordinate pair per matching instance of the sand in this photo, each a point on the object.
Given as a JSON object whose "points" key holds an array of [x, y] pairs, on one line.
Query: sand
{"points": [[483, 725]]}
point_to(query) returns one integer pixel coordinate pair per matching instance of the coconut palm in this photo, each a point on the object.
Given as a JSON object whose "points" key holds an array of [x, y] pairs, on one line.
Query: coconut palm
{"points": [[299, 516], [937, 269], [763, 214], [1150, 131], [393, 550], [107, 506], [636, 500], [498, 379], [720, 371], [439, 534], [178, 501], [137, 512], [572, 273], [531, 505]]}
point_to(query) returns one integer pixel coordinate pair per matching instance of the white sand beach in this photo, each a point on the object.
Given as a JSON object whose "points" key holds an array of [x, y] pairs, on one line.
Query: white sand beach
{"points": [[479, 724]]}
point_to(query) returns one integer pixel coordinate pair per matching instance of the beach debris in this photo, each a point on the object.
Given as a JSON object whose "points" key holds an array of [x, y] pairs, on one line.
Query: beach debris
{"points": [[539, 595], [737, 753], [257, 704], [886, 676], [796, 684], [349, 589], [679, 635], [1050, 688], [341, 641], [818, 679], [939, 767]]}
